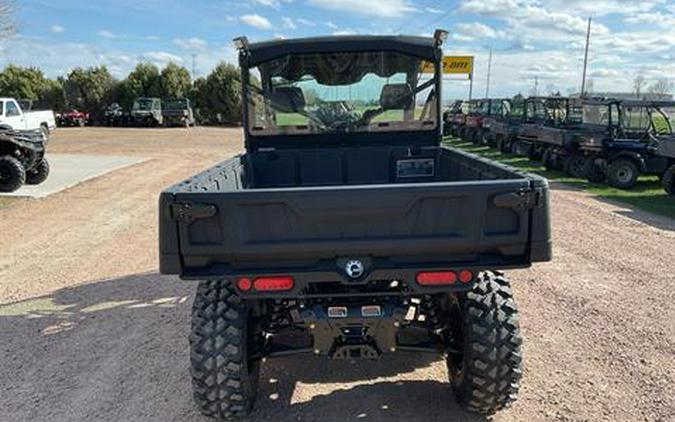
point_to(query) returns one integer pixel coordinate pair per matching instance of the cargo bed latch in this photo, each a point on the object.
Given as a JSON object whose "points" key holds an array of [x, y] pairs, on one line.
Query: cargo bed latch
{"points": [[524, 200], [187, 212]]}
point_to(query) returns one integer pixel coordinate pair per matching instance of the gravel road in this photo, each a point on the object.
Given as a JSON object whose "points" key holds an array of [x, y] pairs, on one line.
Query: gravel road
{"points": [[89, 330]]}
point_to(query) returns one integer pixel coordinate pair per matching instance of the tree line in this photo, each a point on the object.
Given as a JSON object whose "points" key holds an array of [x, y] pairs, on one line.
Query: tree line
{"points": [[216, 98]]}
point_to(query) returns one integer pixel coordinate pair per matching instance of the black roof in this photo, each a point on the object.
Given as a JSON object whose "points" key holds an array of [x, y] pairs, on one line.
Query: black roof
{"points": [[424, 47]]}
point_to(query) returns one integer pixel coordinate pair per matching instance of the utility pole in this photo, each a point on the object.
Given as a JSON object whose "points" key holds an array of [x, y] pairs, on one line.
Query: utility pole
{"points": [[583, 78], [536, 86], [194, 67], [487, 85]]}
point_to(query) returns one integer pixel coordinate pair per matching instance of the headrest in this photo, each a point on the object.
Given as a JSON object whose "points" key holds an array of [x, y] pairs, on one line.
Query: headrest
{"points": [[396, 97], [288, 99]]}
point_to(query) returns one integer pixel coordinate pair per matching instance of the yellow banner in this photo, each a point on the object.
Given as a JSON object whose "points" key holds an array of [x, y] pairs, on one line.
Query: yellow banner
{"points": [[453, 65]]}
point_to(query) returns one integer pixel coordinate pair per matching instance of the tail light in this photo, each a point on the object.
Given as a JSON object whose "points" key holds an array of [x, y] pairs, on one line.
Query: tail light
{"points": [[273, 284], [244, 284], [465, 276], [436, 278]]}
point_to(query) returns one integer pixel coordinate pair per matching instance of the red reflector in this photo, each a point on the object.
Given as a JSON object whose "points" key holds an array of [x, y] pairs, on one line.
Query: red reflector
{"points": [[465, 276], [244, 284], [266, 284], [436, 278]]}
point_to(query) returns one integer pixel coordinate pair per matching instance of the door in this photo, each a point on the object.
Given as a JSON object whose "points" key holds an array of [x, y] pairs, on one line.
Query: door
{"points": [[13, 115]]}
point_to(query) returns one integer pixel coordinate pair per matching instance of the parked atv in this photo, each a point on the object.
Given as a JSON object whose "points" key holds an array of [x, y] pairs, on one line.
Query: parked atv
{"points": [[72, 118], [22, 159], [114, 115], [147, 112]]}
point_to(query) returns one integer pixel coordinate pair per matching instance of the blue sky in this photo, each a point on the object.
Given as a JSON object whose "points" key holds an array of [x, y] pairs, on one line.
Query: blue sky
{"points": [[530, 38]]}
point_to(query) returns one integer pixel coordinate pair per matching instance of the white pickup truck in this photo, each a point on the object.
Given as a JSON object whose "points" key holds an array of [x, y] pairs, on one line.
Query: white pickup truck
{"points": [[12, 116]]}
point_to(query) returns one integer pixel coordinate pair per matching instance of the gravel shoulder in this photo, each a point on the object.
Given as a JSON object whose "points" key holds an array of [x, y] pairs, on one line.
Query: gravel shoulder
{"points": [[90, 331]]}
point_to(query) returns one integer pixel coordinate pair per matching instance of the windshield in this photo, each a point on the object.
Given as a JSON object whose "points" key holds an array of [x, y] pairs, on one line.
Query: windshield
{"points": [[143, 104], [177, 105], [342, 93], [662, 118]]}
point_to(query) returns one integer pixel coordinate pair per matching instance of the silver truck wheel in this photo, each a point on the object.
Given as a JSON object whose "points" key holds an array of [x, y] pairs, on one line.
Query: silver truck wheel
{"points": [[224, 377], [486, 376]]}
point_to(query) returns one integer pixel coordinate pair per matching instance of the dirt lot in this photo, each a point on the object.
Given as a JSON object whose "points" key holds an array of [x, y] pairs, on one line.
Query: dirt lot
{"points": [[90, 331]]}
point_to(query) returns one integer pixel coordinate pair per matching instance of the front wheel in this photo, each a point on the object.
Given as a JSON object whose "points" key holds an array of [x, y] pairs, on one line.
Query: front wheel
{"points": [[668, 180], [12, 174], [486, 374], [224, 376], [39, 173]]}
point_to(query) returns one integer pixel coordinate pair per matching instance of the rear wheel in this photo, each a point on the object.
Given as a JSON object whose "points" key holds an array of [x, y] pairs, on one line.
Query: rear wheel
{"points": [[574, 165], [668, 180], [548, 159], [39, 173], [224, 377], [12, 174], [486, 375], [622, 173], [593, 173]]}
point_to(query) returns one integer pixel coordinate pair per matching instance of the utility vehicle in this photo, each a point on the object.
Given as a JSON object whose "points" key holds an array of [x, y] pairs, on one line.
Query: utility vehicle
{"points": [[617, 141], [22, 158], [453, 118], [347, 230], [545, 119], [114, 115], [178, 113], [147, 112], [482, 109], [501, 130]]}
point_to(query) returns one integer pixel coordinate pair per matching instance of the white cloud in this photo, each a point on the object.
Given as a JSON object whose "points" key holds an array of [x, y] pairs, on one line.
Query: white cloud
{"points": [[256, 21], [193, 43], [161, 57], [653, 18], [305, 22], [479, 30], [276, 4], [331, 25], [433, 10], [288, 23], [379, 8], [57, 29], [108, 34]]}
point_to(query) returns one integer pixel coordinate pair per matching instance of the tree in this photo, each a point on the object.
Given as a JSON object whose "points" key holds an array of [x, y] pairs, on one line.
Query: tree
{"points": [[29, 83], [89, 89], [661, 87], [143, 81], [175, 81], [219, 96], [638, 84]]}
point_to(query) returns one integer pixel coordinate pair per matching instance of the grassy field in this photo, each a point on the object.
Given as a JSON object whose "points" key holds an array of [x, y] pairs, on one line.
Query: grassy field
{"points": [[647, 195]]}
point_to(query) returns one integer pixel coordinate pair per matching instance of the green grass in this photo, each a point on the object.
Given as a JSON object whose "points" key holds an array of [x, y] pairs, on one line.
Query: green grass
{"points": [[647, 195]]}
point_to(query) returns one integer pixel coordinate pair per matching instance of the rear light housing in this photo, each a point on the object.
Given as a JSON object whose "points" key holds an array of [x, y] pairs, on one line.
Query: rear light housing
{"points": [[444, 278], [273, 283], [436, 278]]}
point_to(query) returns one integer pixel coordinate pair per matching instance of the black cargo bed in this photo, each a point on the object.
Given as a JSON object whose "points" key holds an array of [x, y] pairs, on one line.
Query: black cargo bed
{"points": [[302, 209]]}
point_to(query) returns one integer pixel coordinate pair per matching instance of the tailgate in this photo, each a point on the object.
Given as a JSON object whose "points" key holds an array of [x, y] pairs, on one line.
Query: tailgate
{"points": [[481, 223]]}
